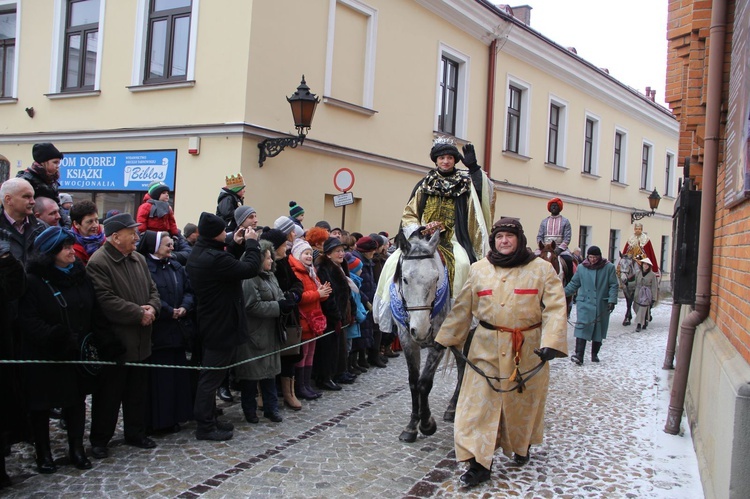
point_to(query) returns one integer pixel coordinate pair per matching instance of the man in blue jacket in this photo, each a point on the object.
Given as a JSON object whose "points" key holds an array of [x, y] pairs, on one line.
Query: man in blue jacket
{"points": [[216, 276]]}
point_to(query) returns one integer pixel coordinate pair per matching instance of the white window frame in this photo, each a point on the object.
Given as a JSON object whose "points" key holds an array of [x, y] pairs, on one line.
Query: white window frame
{"points": [[462, 96], [58, 46], [650, 173], [562, 128], [523, 129], [141, 42], [670, 189], [4, 4], [368, 92], [623, 155], [595, 143]]}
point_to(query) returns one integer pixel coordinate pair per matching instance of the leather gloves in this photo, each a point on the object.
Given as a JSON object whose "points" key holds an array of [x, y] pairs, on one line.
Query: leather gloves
{"points": [[286, 305], [611, 307], [546, 353], [470, 157], [558, 250], [438, 346]]}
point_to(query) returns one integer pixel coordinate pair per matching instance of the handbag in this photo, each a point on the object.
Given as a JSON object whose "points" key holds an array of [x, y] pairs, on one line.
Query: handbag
{"points": [[290, 335], [316, 320]]}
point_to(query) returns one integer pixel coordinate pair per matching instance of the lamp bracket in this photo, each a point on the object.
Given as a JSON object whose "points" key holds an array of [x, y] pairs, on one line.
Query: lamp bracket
{"points": [[639, 215], [270, 148]]}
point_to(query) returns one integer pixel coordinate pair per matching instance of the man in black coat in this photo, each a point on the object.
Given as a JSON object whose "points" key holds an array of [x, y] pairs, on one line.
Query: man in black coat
{"points": [[216, 277], [17, 197]]}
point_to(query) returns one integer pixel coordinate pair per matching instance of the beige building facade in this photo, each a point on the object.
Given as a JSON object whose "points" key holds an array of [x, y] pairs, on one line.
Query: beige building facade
{"points": [[185, 91]]}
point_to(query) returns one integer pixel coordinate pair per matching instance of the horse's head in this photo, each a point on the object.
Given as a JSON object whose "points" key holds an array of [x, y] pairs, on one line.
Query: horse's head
{"points": [[547, 253], [626, 267], [419, 274]]}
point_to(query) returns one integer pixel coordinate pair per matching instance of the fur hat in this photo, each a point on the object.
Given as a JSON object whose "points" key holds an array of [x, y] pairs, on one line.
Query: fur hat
{"points": [[118, 222], [277, 237], [45, 151], [295, 210], [442, 147], [241, 214], [594, 250], [555, 200], [299, 246], [156, 189], [331, 244], [210, 226], [235, 183], [367, 244]]}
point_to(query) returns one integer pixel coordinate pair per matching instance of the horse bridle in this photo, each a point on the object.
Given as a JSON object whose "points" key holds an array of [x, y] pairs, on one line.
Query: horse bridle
{"points": [[408, 309], [523, 377]]}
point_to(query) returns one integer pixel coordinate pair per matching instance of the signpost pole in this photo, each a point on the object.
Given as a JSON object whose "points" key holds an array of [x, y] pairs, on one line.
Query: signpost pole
{"points": [[343, 217]]}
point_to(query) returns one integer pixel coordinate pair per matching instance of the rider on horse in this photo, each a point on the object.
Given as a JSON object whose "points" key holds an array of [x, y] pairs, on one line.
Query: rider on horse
{"points": [[639, 246], [557, 228]]}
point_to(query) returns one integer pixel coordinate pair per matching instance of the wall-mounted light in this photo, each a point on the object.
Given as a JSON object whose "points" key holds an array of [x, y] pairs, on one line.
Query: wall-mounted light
{"points": [[30, 112], [303, 104], [653, 203]]}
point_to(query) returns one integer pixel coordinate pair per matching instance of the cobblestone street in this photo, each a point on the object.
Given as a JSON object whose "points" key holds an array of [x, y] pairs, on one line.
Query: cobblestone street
{"points": [[604, 438]]}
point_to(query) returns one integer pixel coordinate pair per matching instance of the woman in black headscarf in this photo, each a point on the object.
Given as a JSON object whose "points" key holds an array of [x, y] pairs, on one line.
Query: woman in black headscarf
{"points": [[57, 312], [520, 305]]}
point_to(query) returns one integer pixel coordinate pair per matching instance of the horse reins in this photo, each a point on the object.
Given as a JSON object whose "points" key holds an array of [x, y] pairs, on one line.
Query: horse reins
{"points": [[521, 377], [429, 307]]}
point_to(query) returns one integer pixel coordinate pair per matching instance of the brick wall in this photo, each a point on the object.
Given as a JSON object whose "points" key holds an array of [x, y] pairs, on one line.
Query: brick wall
{"points": [[687, 73]]}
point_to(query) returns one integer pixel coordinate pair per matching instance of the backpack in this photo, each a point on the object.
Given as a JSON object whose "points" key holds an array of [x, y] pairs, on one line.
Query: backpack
{"points": [[644, 296]]}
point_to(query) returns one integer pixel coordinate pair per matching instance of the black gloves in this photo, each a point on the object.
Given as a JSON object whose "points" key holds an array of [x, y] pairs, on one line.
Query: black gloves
{"points": [[438, 346], [546, 353], [470, 157], [4, 242], [558, 250], [286, 305], [611, 307], [291, 295]]}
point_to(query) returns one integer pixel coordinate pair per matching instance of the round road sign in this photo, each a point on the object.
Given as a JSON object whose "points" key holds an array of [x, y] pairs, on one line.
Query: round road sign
{"points": [[343, 179]]}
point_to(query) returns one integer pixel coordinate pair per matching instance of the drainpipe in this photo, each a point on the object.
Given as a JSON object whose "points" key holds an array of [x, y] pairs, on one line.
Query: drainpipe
{"points": [[490, 118], [717, 38]]}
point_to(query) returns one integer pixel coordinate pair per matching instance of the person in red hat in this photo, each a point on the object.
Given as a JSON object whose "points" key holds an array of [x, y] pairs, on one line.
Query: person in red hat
{"points": [[556, 228]]}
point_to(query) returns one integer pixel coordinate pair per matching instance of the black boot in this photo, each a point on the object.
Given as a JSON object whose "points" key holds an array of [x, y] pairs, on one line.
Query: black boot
{"points": [[40, 427], [577, 357], [224, 393], [374, 357], [595, 346], [475, 475], [76, 417]]}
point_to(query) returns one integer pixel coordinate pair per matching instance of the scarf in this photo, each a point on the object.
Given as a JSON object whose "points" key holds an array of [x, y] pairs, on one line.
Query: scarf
{"points": [[89, 243], [521, 256], [595, 266], [453, 184], [66, 269], [158, 208]]}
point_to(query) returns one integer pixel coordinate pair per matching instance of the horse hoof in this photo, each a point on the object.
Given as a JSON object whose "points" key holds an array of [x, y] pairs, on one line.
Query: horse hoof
{"points": [[449, 416], [430, 429], [408, 436]]}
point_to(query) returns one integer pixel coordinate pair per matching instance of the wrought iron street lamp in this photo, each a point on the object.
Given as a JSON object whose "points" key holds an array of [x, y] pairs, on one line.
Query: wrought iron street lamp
{"points": [[653, 203], [303, 103]]}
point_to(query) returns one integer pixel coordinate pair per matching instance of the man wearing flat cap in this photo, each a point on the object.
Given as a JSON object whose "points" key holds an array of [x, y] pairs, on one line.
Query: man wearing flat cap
{"points": [[44, 172], [556, 228], [216, 276], [129, 299]]}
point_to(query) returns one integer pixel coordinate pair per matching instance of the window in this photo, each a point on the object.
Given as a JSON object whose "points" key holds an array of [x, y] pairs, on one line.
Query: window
{"points": [[669, 174], [614, 245], [7, 52], [448, 95], [664, 256], [554, 131], [645, 166], [451, 97], [584, 234], [514, 119], [168, 40], [81, 44], [619, 159], [4, 169], [590, 145]]}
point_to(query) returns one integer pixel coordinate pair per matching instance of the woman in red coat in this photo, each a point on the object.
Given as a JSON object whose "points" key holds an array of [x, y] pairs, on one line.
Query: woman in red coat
{"points": [[301, 261]]}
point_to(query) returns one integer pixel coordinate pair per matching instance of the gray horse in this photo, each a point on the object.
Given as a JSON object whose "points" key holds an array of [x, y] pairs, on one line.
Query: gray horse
{"points": [[626, 270], [420, 301]]}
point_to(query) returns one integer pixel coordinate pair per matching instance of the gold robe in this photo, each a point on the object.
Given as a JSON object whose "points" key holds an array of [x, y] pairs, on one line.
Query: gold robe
{"points": [[516, 297]]}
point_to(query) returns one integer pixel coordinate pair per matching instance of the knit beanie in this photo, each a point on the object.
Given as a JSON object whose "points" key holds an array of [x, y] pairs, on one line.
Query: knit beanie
{"points": [[44, 152], [295, 210], [284, 224], [189, 230], [210, 226], [354, 263], [299, 246], [241, 214], [275, 236], [156, 189], [594, 250]]}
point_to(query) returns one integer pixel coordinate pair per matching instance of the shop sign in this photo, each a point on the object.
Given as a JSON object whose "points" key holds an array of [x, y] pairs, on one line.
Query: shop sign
{"points": [[116, 171]]}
